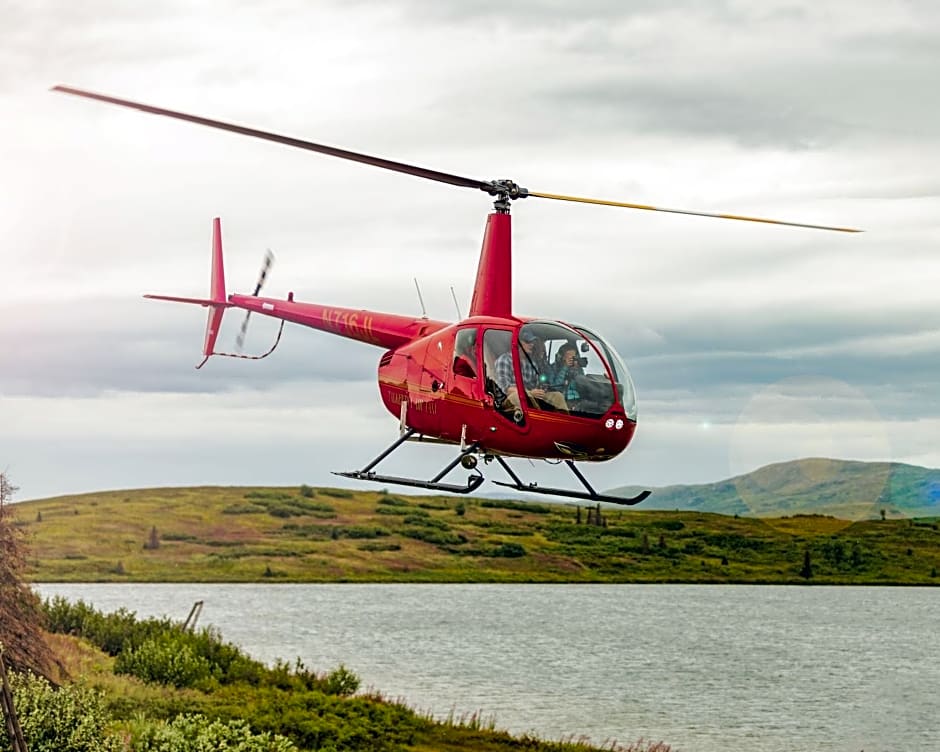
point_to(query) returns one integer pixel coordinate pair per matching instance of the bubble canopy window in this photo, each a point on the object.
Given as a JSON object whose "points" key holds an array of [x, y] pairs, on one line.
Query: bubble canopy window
{"points": [[578, 364]]}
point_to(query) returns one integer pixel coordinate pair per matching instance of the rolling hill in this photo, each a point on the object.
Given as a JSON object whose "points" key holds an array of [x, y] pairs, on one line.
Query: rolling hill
{"points": [[250, 534], [841, 488]]}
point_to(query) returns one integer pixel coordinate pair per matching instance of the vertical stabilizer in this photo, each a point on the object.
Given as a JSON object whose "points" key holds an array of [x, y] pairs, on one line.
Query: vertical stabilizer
{"points": [[492, 292], [216, 290], [217, 285]]}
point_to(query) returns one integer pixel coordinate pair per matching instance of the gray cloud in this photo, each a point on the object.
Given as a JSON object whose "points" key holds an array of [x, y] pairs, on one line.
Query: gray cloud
{"points": [[798, 109]]}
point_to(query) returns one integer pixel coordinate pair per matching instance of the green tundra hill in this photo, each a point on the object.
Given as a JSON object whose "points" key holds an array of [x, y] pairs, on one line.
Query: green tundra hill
{"points": [[303, 534], [841, 488]]}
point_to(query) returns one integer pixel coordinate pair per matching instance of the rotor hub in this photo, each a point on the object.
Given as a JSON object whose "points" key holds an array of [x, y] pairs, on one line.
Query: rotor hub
{"points": [[505, 191]]}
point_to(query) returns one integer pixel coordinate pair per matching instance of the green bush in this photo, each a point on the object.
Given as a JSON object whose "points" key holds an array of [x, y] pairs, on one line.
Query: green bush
{"points": [[70, 719], [123, 635], [337, 493], [362, 531], [243, 509], [393, 501], [521, 506], [414, 513], [178, 537], [275, 495], [508, 551], [196, 733], [426, 520], [432, 535], [380, 546], [110, 632], [673, 525], [307, 492], [165, 660], [341, 681]]}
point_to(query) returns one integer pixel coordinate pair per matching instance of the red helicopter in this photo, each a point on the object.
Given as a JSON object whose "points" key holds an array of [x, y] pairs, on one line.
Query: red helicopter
{"points": [[459, 383]]}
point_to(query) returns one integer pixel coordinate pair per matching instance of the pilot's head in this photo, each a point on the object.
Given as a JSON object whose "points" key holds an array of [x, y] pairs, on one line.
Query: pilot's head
{"points": [[529, 340]]}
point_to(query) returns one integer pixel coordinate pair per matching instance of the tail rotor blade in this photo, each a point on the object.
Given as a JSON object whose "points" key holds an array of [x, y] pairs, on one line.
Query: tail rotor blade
{"points": [[265, 268], [240, 339]]}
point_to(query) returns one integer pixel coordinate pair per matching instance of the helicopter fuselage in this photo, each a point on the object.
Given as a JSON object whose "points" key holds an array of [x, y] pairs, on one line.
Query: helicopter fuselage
{"points": [[447, 391]]}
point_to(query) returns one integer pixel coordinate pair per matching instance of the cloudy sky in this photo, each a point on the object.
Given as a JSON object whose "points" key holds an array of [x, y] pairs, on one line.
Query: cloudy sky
{"points": [[748, 343]]}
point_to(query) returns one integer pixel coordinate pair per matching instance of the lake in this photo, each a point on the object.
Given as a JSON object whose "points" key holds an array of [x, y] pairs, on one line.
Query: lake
{"points": [[703, 668]]}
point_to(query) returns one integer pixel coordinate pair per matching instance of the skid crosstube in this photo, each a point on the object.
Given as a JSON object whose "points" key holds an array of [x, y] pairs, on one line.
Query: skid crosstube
{"points": [[473, 481]]}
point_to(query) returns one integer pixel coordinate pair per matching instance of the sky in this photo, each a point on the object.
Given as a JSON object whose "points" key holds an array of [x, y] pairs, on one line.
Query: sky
{"points": [[748, 343]]}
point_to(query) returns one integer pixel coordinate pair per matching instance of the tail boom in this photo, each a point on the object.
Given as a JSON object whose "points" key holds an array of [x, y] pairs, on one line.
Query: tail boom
{"points": [[385, 330]]}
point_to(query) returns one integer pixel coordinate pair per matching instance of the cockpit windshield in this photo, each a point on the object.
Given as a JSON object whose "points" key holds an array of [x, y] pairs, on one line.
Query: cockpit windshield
{"points": [[621, 375], [571, 366]]}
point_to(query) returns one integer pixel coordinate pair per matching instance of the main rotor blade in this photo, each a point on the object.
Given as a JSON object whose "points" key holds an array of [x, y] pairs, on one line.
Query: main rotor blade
{"points": [[385, 164], [742, 218]]}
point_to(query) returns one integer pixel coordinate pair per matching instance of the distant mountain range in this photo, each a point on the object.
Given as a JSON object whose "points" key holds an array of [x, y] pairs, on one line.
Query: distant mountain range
{"points": [[841, 488]]}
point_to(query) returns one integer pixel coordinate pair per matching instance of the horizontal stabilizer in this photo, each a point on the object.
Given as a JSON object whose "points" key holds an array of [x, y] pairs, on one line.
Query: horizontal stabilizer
{"points": [[195, 301]]}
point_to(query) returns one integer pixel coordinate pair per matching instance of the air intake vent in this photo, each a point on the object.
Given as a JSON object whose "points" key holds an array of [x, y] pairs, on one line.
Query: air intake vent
{"points": [[386, 359]]}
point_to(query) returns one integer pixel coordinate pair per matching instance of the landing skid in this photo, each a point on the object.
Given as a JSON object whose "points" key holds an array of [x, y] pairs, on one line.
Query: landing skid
{"points": [[590, 495], [466, 457]]}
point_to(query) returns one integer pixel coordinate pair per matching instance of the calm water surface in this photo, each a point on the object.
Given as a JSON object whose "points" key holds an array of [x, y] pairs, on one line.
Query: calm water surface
{"points": [[703, 668]]}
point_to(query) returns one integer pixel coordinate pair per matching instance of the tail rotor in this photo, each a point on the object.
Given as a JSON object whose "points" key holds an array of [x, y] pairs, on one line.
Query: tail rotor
{"points": [[265, 268]]}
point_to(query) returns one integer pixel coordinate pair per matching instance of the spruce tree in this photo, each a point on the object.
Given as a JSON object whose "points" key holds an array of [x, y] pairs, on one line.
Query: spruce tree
{"points": [[807, 571], [24, 646]]}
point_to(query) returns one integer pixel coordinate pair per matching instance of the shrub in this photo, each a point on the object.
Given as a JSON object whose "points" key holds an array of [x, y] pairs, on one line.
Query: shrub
{"points": [[70, 719], [426, 521], [396, 511], [179, 537], [292, 507], [271, 495], [362, 531], [196, 733], [508, 551], [432, 535], [121, 632], [243, 509], [521, 506], [668, 524], [341, 681], [393, 501], [380, 546], [110, 632], [307, 492], [166, 659], [337, 493]]}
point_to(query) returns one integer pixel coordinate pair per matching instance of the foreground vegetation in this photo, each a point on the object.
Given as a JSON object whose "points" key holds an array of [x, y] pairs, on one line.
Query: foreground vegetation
{"points": [[333, 535], [151, 685], [99, 682]]}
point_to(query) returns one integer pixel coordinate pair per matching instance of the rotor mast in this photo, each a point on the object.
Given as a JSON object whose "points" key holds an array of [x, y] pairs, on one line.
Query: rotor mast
{"points": [[492, 290]]}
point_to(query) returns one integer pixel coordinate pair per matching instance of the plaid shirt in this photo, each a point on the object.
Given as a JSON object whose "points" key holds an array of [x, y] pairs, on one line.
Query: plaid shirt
{"points": [[506, 376]]}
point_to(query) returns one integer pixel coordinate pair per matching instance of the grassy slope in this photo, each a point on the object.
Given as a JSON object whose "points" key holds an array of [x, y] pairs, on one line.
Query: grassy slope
{"points": [[127, 698], [852, 490], [279, 535]]}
